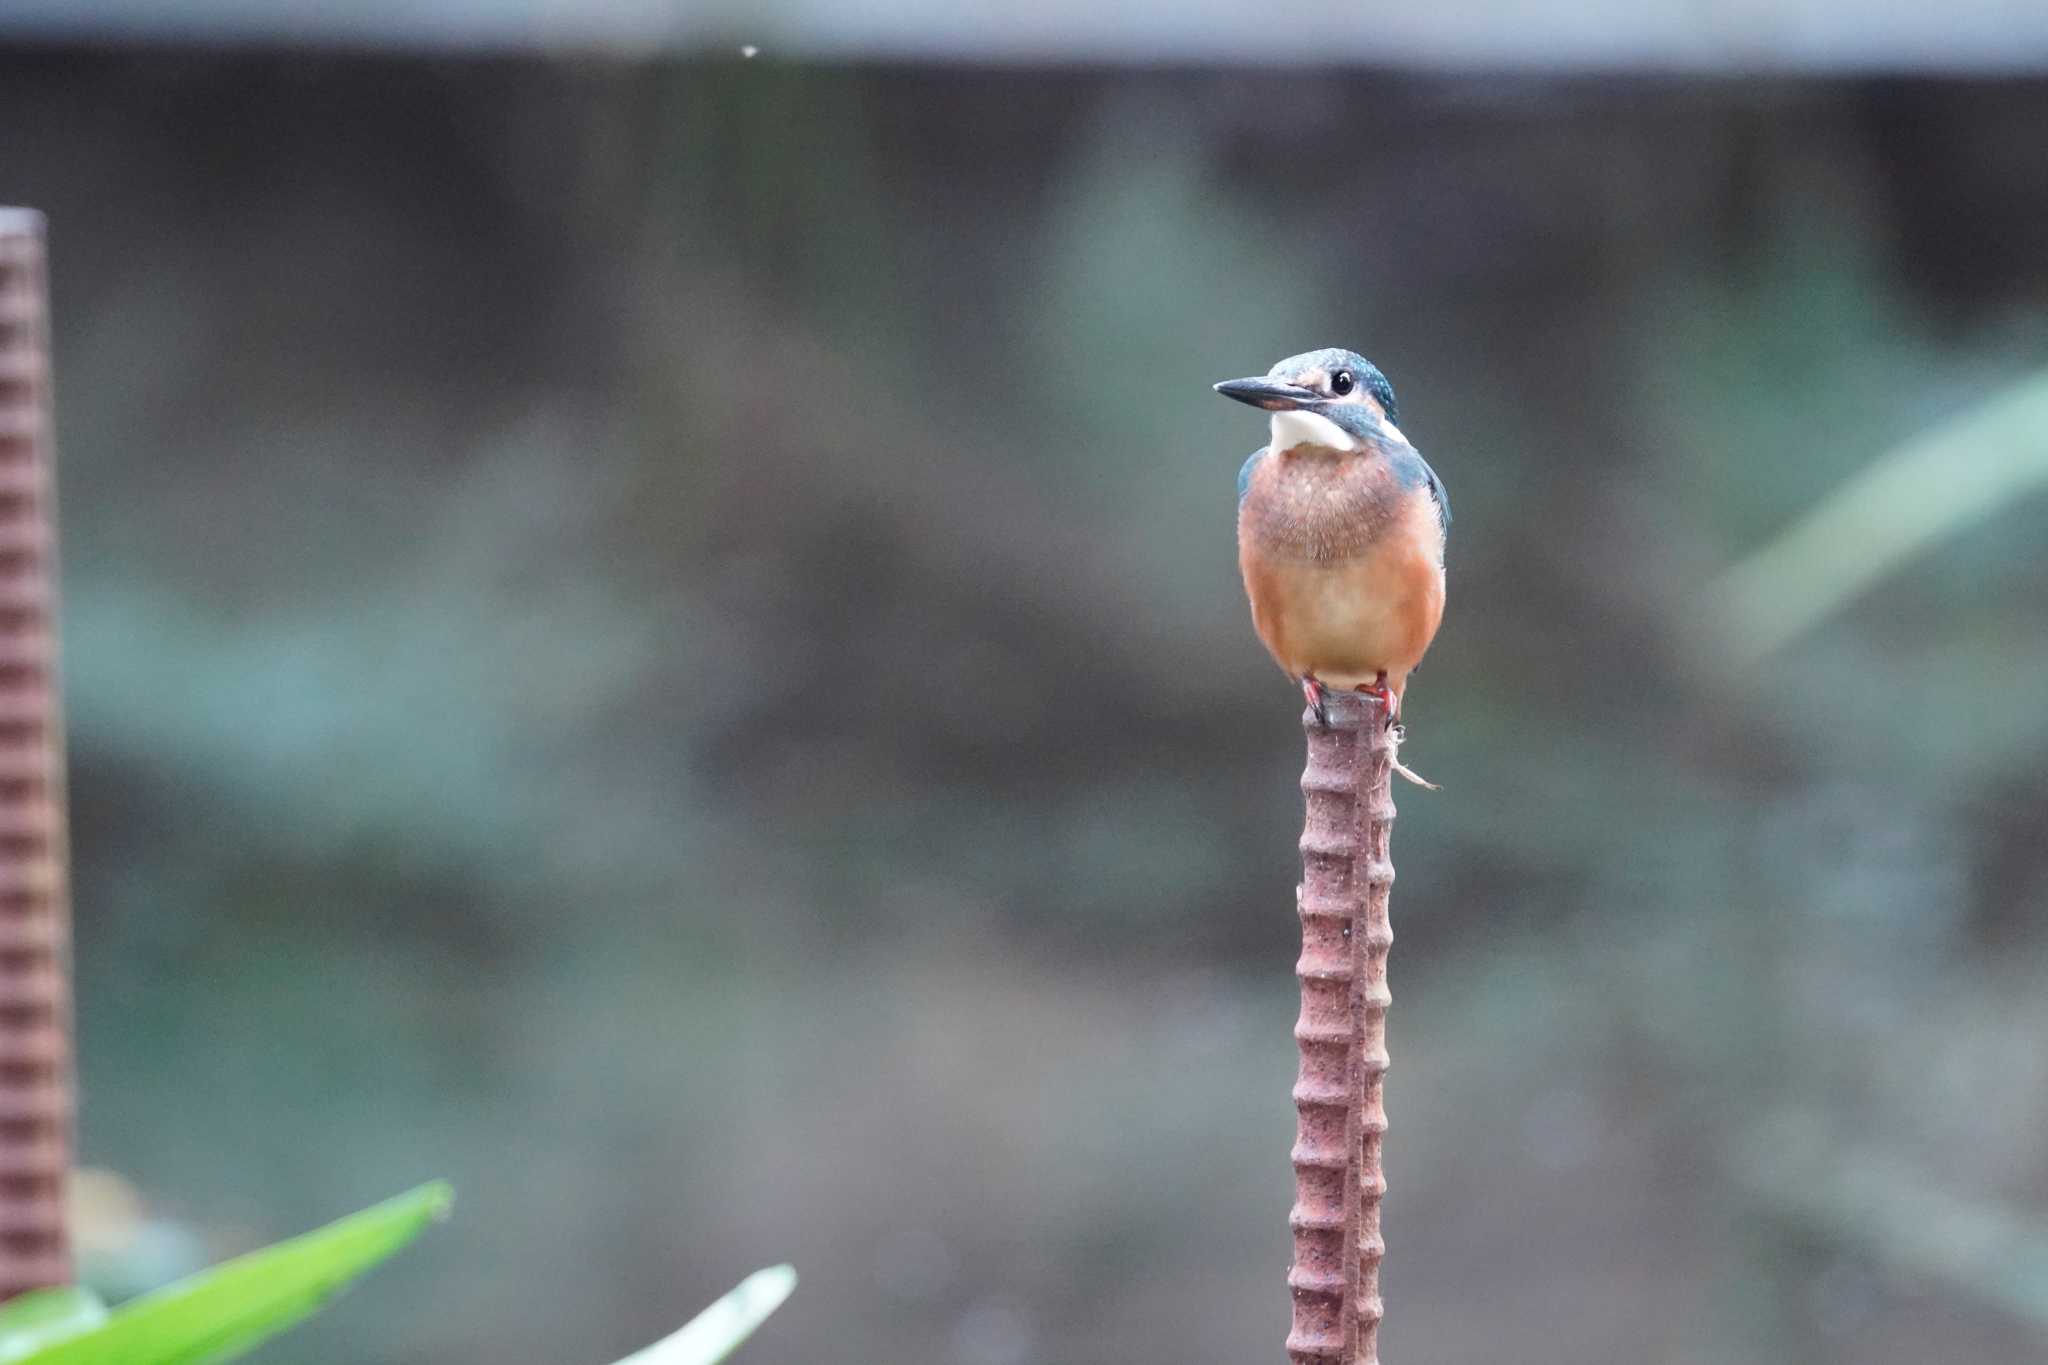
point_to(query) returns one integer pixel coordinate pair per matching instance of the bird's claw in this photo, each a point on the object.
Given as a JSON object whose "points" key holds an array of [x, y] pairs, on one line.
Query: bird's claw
{"points": [[1384, 695], [1312, 689]]}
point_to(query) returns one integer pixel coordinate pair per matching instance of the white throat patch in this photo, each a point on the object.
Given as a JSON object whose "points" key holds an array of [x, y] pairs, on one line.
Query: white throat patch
{"points": [[1293, 427]]}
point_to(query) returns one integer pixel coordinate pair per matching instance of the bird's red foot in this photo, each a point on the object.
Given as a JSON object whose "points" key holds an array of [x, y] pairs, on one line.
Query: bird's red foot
{"points": [[1384, 695], [1312, 689]]}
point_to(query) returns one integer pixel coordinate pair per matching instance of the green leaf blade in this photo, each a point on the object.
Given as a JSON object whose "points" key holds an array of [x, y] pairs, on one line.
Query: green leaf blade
{"points": [[222, 1313], [1912, 497], [29, 1322]]}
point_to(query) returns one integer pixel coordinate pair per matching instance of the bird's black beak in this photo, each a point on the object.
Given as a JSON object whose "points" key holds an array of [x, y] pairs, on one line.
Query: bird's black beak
{"points": [[1269, 394]]}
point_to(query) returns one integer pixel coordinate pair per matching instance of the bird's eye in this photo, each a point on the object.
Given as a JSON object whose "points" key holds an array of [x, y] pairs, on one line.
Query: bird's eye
{"points": [[1342, 383]]}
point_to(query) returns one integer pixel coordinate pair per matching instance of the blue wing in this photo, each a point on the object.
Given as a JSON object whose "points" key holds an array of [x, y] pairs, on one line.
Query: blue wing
{"points": [[1437, 490], [1412, 470], [1244, 475]]}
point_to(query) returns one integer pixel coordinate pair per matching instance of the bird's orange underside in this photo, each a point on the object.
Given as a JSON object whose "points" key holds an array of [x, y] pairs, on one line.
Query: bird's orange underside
{"points": [[1348, 619]]}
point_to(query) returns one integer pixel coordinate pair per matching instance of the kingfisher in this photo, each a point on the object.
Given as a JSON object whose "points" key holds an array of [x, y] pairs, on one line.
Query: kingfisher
{"points": [[1340, 530]]}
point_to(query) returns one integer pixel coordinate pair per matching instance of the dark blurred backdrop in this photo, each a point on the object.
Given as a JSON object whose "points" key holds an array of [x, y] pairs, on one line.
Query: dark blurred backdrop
{"points": [[660, 637]]}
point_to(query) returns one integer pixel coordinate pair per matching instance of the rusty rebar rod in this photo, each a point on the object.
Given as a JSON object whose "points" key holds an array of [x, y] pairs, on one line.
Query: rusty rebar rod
{"points": [[35, 912], [1346, 881]]}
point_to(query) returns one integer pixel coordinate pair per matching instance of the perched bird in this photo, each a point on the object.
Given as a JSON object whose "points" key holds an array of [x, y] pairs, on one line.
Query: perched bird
{"points": [[1340, 529]]}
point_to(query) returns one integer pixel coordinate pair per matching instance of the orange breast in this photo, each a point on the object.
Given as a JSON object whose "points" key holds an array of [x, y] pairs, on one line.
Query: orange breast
{"points": [[1343, 565]]}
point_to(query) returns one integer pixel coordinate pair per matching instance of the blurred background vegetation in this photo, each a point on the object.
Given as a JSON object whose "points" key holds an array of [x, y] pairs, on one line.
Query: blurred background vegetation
{"points": [[658, 634]]}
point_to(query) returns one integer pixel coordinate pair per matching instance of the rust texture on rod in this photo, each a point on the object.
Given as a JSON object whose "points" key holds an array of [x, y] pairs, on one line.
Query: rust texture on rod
{"points": [[1346, 880], [35, 937]]}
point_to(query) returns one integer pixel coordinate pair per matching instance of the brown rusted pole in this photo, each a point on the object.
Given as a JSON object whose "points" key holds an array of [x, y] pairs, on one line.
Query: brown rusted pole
{"points": [[1346, 879], [35, 909]]}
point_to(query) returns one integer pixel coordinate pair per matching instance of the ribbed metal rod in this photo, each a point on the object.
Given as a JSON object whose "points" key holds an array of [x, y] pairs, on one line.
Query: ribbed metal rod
{"points": [[1346, 882], [35, 912]]}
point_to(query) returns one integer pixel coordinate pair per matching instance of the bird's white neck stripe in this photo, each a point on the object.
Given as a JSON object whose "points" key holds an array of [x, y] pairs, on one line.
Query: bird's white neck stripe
{"points": [[1293, 427]]}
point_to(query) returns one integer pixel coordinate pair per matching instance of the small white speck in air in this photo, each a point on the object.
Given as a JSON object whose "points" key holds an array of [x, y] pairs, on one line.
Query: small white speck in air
{"points": [[750, 52]]}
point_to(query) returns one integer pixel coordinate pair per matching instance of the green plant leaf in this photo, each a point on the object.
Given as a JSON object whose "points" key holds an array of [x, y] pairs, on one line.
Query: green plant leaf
{"points": [[221, 1313], [711, 1336], [1912, 497], [34, 1320]]}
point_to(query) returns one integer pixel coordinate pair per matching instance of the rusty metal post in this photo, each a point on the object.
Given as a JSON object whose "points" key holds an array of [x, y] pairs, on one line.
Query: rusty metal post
{"points": [[35, 909], [1346, 880]]}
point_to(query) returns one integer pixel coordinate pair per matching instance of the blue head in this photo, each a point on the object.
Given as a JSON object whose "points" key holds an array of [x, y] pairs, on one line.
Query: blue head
{"points": [[1330, 397]]}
